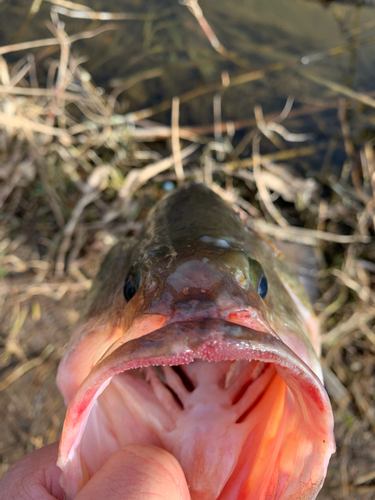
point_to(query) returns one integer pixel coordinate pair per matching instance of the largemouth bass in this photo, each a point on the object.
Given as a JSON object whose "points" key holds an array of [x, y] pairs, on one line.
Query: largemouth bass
{"points": [[199, 339]]}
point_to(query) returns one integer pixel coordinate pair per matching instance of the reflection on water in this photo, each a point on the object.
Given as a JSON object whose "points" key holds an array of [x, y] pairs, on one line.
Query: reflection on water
{"points": [[168, 54]]}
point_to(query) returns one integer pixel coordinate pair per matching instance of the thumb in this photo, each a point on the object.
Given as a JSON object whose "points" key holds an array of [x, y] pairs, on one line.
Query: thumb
{"points": [[138, 472]]}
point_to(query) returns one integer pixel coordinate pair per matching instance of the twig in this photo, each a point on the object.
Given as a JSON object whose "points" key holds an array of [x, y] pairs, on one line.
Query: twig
{"points": [[100, 16], [12, 345], [361, 401], [6, 49], [340, 89], [142, 176], [283, 155], [55, 291], [364, 478], [237, 201], [335, 388], [53, 197], [196, 10], [39, 92], [262, 189], [362, 292], [346, 326], [70, 5], [218, 134], [302, 235], [95, 184], [23, 123], [176, 149], [25, 367]]}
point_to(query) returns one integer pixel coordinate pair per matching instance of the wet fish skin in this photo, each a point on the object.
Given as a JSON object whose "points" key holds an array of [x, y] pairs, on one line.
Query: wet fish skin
{"points": [[195, 273]]}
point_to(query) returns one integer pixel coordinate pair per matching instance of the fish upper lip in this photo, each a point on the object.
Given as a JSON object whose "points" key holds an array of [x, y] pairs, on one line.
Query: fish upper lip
{"points": [[182, 337], [180, 343]]}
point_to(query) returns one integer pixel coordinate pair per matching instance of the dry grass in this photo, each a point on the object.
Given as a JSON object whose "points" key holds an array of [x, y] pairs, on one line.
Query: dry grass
{"points": [[75, 176]]}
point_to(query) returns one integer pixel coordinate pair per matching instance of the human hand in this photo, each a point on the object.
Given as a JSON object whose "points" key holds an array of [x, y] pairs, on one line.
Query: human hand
{"points": [[136, 472]]}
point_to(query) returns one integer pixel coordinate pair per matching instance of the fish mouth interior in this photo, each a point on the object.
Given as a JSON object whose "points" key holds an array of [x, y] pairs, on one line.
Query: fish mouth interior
{"points": [[236, 427], [243, 415]]}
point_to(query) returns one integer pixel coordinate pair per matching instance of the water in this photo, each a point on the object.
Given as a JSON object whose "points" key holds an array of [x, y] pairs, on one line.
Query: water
{"points": [[255, 34]]}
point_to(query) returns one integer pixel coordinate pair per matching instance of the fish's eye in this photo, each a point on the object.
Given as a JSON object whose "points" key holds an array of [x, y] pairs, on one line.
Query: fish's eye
{"points": [[262, 288], [132, 282], [258, 278]]}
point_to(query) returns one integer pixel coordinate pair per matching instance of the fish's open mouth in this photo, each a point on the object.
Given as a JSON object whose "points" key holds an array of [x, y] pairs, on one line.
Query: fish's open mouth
{"points": [[242, 414]]}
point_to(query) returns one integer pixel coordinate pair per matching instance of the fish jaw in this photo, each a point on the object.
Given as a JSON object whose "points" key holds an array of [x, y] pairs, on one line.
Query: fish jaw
{"points": [[96, 341], [275, 444]]}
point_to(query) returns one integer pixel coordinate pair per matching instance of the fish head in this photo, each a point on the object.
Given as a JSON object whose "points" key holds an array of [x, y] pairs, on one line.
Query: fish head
{"points": [[198, 339]]}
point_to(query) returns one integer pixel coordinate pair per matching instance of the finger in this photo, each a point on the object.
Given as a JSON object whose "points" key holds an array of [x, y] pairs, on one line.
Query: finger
{"points": [[35, 476], [138, 472]]}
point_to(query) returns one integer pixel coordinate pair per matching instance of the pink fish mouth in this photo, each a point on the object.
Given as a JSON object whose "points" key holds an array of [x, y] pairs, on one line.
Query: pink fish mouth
{"points": [[245, 417]]}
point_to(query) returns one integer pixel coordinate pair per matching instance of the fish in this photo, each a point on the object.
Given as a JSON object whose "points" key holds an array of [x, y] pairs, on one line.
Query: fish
{"points": [[198, 338]]}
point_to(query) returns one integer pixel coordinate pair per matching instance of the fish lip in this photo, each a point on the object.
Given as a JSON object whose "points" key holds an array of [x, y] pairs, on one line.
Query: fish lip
{"points": [[180, 343]]}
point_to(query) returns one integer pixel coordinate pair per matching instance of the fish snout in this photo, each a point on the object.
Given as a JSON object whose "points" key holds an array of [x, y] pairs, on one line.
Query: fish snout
{"points": [[196, 290], [194, 309], [199, 289], [194, 277]]}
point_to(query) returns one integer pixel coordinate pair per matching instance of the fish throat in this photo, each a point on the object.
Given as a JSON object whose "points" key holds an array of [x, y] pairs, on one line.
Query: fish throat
{"points": [[219, 419]]}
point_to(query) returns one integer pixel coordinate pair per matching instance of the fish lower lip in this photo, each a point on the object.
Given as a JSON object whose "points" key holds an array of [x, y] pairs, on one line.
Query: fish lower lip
{"points": [[293, 398]]}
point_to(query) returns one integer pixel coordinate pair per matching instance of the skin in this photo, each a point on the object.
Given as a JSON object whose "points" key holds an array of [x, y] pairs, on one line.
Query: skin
{"points": [[136, 472]]}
